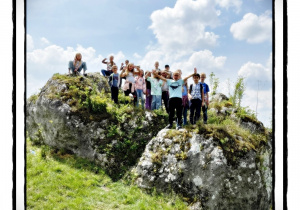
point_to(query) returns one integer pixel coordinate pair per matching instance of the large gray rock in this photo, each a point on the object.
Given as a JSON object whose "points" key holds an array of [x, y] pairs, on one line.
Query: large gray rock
{"points": [[52, 121], [197, 168]]}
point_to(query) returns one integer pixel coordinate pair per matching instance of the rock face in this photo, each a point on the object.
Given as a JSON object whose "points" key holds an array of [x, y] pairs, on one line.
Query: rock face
{"points": [[197, 168], [53, 122], [211, 166]]}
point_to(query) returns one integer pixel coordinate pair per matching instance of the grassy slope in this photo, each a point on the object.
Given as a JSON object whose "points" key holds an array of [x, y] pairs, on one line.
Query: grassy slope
{"points": [[63, 181]]}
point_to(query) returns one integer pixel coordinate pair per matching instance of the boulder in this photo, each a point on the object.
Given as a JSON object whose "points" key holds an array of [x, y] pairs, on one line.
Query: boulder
{"points": [[97, 136], [197, 168]]}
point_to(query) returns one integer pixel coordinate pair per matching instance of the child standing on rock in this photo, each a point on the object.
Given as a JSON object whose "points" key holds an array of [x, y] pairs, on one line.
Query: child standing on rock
{"points": [[129, 86], [206, 96], [185, 102], [165, 91], [140, 87], [156, 91], [175, 100], [148, 92], [196, 95], [114, 81]]}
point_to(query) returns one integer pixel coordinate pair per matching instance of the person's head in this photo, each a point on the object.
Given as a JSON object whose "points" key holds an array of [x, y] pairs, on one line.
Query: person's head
{"points": [[156, 64], [111, 58], [141, 74], [78, 56], [164, 74], [167, 67], [130, 67], [176, 75], [196, 78], [202, 77], [115, 69], [126, 62]]}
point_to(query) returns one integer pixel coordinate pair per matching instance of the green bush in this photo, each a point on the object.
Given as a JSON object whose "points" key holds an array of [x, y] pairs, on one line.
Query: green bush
{"points": [[98, 104]]}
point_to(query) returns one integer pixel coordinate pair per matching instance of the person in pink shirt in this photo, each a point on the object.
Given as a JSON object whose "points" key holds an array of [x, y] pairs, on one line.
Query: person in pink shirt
{"points": [[140, 87]]}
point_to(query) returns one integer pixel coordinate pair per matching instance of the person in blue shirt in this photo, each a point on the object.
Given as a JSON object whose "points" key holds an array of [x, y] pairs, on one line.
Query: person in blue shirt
{"points": [[175, 97], [206, 96]]}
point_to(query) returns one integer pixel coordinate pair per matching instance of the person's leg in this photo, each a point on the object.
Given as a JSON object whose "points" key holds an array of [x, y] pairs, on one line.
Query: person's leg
{"points": [[153, 103], [138, 97], [192, 111], [198, 109], [158, 101], [112, 93], [165, 98], [142, 100], [117, 95], [171, 111], [103, 72], [126, 92], [204, 110], [70, 67], [148, 104], [178, 106], [184, 112], [84, 67]]}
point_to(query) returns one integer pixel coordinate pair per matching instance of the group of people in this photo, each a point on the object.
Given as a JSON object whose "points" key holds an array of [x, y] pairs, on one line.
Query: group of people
{"points": [[151, 88]]}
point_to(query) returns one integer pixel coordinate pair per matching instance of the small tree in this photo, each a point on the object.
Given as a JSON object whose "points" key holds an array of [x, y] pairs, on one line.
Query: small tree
{"points": [[214, 82], [239, 90]]}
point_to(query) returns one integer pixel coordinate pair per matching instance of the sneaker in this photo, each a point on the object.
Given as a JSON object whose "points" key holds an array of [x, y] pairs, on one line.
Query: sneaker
{"points": [[169, 126], [85, 74], [178, 127]]}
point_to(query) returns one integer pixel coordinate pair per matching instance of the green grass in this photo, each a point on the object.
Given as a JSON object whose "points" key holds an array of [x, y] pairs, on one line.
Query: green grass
{"points": [[57, 180]]}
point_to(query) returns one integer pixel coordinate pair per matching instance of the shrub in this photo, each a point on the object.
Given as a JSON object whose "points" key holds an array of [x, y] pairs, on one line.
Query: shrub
{"points": [[98, 104]]}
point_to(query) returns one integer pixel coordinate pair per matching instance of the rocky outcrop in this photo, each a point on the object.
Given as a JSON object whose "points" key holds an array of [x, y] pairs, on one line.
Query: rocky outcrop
{"points": [[212, 166], [99, 137], [196, 167]]}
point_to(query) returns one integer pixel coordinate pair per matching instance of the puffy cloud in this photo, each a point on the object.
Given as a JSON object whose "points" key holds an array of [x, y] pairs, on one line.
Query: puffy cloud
{"points": [[183, 27], [136, 55], [45, 41], [253, 28], [256, 75], [29, 41]]}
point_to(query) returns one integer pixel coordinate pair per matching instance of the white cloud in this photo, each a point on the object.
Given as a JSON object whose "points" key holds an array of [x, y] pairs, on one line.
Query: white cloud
{"points": [[253, 28], [256, 75], [45, 41], [230, 3], [183, 27], [30, 44], [136, 55]]}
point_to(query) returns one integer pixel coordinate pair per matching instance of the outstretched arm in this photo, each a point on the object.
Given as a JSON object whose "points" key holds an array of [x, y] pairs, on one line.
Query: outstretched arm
{"points": [[186, 78], [159, 76], [103, 61]]}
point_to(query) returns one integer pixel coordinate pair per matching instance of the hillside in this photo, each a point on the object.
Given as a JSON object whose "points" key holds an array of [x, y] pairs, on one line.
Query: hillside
{"points": [[224, 164]]}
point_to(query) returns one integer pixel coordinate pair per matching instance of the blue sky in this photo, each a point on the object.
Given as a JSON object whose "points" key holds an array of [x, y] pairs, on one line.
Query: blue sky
{"points": [[228, 37]]}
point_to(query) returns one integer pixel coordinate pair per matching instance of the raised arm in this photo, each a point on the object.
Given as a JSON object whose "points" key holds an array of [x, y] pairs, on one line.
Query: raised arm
{"points": [[186, 78], [138, 70], [123, 73], [104, 61], [159, 76], [147, 75]]}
